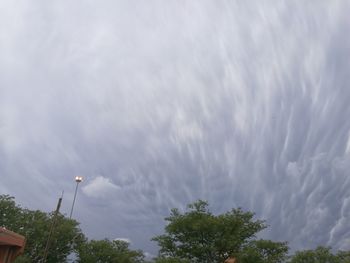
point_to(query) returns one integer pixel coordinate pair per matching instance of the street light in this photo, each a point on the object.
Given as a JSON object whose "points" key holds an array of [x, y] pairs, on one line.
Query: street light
{"points": [[78, 179]]}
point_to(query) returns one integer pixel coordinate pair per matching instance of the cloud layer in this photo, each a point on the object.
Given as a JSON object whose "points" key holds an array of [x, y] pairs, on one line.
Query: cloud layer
{"points": [[157, 105]]}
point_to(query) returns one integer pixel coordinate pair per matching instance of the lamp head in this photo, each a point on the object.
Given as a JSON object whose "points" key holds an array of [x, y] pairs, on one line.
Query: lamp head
{"points": [[78, 179]]}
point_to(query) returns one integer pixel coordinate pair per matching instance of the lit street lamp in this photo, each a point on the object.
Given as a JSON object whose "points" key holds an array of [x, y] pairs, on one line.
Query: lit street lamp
{"points": [[78, 179]]}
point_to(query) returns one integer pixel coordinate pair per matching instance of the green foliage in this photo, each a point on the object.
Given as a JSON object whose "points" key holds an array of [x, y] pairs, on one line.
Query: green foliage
{"points": [[170, 260], [264, 251], [11, 215], [106, 251], [67, 237], [194, 236], [343, 256], [320, 255], [199, 236], [35, 226]]}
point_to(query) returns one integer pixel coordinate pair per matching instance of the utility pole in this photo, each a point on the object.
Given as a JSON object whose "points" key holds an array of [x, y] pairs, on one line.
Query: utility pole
{"points": [[53, 225]]}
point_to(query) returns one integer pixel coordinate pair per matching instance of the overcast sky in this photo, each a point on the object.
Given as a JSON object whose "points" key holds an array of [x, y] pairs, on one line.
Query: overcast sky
{"points": [[159, 103]]}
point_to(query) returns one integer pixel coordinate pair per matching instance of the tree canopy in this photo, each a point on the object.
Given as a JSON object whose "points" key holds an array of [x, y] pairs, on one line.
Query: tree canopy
{"points": [[195, 235], [198, 235], [106, 251], [35, 226], [66, 239], [320, 255]]}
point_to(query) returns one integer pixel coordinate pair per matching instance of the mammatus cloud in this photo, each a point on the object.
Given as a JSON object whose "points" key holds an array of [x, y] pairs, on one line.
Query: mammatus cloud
{"points": [[157, 105]]}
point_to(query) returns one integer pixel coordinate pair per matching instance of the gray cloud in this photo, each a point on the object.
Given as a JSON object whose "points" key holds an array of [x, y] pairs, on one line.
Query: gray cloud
{"points": [[157, 105]]}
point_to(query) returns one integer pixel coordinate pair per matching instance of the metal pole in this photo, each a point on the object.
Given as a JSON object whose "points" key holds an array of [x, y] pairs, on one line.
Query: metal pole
{"points": [[75, 195], [53, 224]]}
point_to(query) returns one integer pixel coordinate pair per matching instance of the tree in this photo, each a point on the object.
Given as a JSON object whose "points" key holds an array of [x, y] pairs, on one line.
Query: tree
{"points": [[200, 236], [264, 251], [67, 237], [106, 251], [11, 215], [343, 256], [319, 255], [35, 226], [170, 260]]}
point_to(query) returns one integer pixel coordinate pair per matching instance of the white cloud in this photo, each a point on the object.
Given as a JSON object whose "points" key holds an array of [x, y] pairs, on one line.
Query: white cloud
{"points": [[127, 240], [100, 187]]}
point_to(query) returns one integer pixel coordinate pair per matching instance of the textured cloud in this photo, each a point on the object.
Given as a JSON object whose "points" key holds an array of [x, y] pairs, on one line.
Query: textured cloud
{"points": [[156, 105]]}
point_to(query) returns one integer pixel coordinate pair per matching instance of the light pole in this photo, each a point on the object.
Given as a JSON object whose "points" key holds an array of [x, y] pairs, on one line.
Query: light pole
{"points": [[78, 179]]}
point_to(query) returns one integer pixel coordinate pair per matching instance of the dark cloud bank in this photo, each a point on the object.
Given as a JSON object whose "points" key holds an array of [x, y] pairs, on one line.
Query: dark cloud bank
{"points": [[157, 104]]}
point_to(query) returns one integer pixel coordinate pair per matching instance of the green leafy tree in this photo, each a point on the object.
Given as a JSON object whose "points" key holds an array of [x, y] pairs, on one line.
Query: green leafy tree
{"points": [[106, 251], [170, 260], [11, 215], [35, 226], [264, 251], [343, 256], [200, 236], [319, 255]]}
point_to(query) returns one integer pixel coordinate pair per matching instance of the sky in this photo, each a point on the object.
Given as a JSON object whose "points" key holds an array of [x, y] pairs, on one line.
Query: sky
{"points": [[161, 103]]}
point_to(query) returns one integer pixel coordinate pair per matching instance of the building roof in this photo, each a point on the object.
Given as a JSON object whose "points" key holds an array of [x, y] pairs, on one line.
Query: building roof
{"points": [[11, 245], [9, 238], [231, 260]]}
